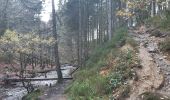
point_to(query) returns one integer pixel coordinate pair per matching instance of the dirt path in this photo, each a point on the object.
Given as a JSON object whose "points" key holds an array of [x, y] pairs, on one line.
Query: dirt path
{"points": [[151, 75], [55, 92]]}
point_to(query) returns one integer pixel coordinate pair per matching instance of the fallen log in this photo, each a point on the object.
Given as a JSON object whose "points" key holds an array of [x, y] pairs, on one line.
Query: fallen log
{"points": [[74, 70], [32, 79], [43, 71]]}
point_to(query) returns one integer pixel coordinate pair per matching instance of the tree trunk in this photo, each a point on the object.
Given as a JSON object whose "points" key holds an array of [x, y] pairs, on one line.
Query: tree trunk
{"points": [[153, 8], [3, 19], [109, 19], [79, 40], [56, 54]]}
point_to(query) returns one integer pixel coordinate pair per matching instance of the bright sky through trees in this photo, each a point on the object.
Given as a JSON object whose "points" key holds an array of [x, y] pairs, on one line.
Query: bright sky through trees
{"points": [[47, 10]]}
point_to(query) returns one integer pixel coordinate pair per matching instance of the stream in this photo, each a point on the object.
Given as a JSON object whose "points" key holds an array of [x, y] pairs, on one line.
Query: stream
{"points": [[17, 91]]}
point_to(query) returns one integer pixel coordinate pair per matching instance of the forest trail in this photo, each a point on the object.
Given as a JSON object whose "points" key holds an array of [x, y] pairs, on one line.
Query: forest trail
{"points": [[55, 92], [155, 73]]}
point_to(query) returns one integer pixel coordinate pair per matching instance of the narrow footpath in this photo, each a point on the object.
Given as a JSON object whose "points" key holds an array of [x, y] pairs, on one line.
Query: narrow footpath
{"points": [[155, 73]]}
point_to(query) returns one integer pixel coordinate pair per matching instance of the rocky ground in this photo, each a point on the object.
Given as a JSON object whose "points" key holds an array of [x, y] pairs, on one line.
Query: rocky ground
{"points": [[155, 74]]}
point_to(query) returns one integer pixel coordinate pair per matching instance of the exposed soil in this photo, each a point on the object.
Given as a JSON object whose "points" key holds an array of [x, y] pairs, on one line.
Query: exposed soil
{"points": [[155, 74]]}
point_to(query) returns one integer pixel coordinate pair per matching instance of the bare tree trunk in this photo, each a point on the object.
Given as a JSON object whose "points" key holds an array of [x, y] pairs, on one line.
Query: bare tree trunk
{"points": [[3, 19], [79, 47], [109, 19], [59, 73], [153, 8]]}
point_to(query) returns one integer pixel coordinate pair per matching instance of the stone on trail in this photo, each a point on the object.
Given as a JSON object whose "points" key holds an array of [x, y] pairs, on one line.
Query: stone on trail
{"points": [[164, 57], [160, 58], [152, 49]]}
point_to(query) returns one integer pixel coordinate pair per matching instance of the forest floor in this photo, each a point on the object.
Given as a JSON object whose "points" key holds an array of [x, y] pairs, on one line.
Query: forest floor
{"points": [[155, 73], [55, 92]]}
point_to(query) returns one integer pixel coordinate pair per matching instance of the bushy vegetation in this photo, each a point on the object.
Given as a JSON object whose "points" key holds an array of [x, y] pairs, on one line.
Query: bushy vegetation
{"points": [[156, 20], [163, 21], [90, 84], [165, 45]]}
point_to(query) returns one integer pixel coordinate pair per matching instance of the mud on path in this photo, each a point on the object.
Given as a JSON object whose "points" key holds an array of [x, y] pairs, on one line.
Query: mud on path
{"points": [[155, 73]]}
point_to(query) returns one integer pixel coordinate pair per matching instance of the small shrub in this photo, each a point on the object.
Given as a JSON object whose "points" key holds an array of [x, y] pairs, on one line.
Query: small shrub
{"points": [[163, 22], [101, 85], [95, 86], [156, 20], [132, 42], [115, 80], [82, 89], [165, 45], [119, 39]]}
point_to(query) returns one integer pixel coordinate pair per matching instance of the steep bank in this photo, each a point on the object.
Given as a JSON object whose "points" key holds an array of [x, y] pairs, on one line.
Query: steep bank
{"points": [[131, 68], [108, 71]]}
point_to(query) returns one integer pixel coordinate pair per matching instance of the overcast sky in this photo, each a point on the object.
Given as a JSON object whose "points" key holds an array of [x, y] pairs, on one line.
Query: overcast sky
{"points": [[47, 9]]}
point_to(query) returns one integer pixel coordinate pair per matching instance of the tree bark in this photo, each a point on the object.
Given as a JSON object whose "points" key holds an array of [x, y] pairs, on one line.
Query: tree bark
{"points": [[79, 40], [109, 19], [56, 54]]}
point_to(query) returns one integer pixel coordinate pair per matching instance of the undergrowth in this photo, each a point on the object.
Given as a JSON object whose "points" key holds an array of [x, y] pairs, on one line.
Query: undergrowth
{"points": [[89, 84], [165, 45], [162, 21]]}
